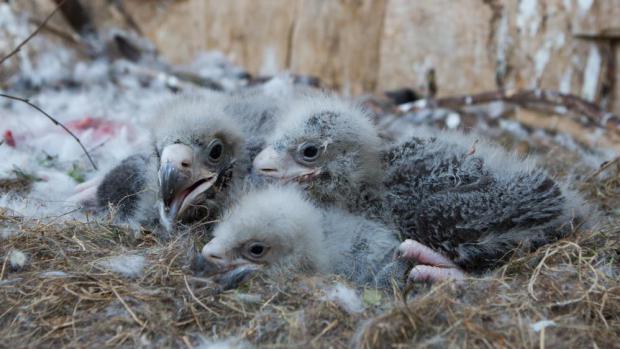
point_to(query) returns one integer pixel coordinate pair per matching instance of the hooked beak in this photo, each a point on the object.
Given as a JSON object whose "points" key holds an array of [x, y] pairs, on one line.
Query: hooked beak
{"points": [[181, 181], [282, 166], [229, 272]]}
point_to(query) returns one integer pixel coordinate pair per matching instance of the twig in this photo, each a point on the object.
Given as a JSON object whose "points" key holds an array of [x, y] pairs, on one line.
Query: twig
{"points": [[592, 111], [329, 327], [71, 38], [3, 266], [191, 293], [187, 342], [24, 100], [133, 315], [603, 167], [56, 122], [35, 32]]}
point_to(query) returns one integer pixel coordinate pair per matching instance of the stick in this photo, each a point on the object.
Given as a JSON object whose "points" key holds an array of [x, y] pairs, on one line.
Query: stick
{"points": [[593, 112], [603, 167], [35, 32], [3, 267], [56, 122], [133, 315], [191, 293], [72, 38]]}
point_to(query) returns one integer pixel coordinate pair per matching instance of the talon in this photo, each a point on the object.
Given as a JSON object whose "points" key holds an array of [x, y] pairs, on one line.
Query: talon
{"points": [[411, 249], [427, 273]]}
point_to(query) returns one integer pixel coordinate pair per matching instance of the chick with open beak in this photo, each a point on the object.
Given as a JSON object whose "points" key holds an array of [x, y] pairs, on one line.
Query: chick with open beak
{"points": [[198, 148], [185, 178]]}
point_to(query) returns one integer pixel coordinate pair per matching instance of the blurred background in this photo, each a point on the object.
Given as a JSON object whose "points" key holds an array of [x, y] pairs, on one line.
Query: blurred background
{"points": [[359, 46]]}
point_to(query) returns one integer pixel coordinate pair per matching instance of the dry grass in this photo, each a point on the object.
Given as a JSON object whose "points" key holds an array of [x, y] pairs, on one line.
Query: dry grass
{"points": [[62, 297], [85, 306], [572, 283]]}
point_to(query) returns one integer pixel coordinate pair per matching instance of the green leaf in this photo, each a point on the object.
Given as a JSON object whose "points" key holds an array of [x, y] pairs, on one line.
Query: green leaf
{"points": [[22, 174], [77, 174], [372, 296], [47, 160]]}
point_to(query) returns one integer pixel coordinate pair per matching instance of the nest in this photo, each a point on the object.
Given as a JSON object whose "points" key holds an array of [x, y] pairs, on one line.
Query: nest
{"points": [[64, 294]]}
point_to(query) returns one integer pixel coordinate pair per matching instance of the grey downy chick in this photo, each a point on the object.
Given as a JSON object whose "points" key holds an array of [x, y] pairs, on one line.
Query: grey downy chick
{"points": [[196, 157], [276, 229], [331, 148], [202, 157], [472, 202]]}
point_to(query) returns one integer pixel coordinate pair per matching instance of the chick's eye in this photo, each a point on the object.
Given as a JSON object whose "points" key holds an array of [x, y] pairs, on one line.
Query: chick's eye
{"points": [[257, 249], [216, 148], [309, 152]]}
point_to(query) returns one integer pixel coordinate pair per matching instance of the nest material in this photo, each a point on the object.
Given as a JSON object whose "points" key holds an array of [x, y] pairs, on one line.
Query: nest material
{"points": [[564, 295]]}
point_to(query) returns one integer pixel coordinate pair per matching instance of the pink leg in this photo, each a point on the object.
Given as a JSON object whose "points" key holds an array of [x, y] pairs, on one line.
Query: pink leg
{"points": [[94, 182], [422, 273], [84, 197], [86, 192], [432, 266]]}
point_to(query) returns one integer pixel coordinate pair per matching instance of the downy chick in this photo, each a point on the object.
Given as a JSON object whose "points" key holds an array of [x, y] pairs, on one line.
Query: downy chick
{"points": [[197, 154], [277, 229]]}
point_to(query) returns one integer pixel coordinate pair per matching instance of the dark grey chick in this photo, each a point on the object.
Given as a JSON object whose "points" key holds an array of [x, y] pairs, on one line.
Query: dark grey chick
{"points": [[474, 201], [470, 201], [197, 155], [123, 189]]}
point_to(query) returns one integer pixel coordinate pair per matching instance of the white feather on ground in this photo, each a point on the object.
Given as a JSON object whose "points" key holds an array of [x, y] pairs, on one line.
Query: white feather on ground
{"points": [[540, 325], [345, 297], [130, 266], [54, 274], [228, 343], [17, 259], [6, 233]]}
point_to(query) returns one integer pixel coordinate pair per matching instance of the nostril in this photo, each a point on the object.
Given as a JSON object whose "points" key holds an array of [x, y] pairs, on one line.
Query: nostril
{"points": [[215, 257]]}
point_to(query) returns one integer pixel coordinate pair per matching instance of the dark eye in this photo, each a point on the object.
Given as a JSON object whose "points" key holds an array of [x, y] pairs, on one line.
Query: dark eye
{"points": [[256, 249], [309, 151], [216, 148]]}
